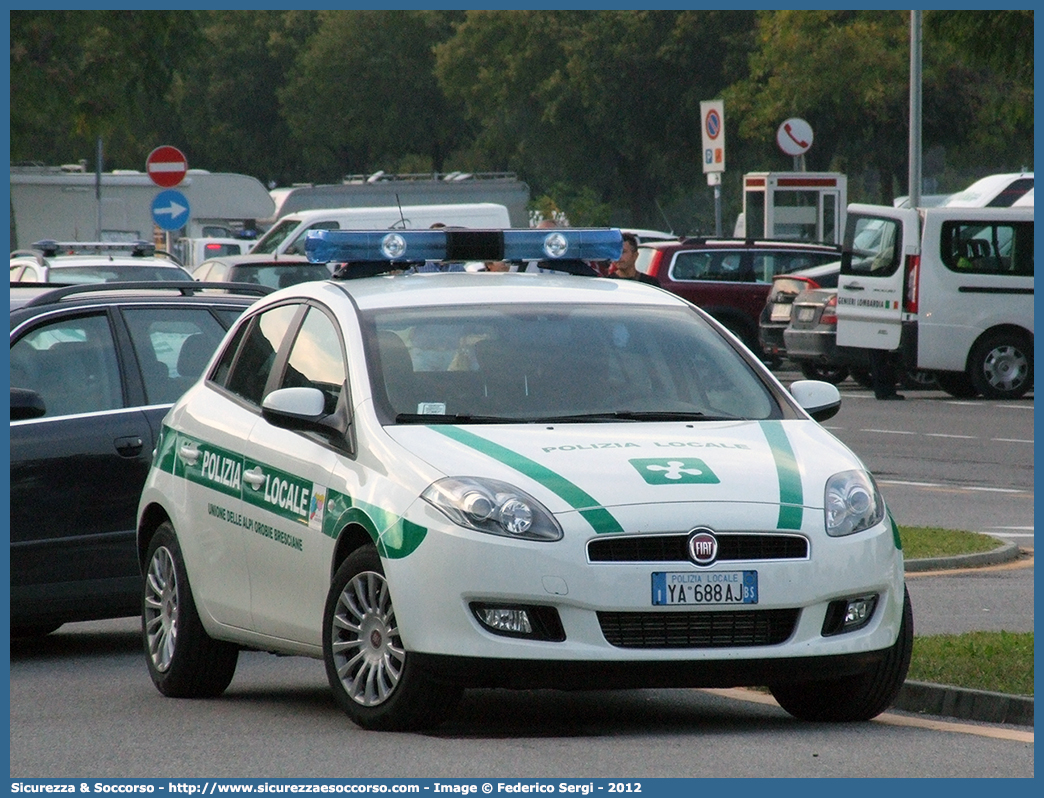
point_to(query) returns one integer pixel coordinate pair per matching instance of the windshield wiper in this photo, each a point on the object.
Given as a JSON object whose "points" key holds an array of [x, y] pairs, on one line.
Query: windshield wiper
{"points": [[452, 418], [635, 415]]}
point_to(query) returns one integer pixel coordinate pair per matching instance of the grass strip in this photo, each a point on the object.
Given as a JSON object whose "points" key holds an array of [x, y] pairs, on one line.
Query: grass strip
{"points": [[1001, 662], [920, 542]]}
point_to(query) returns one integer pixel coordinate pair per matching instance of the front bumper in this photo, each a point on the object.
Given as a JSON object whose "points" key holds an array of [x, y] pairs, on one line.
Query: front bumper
{"points": [[434, 588]]}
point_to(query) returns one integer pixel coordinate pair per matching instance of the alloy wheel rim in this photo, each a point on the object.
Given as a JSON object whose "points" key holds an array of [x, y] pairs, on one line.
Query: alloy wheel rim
{"points": [[1005, 368], [161, 609], [367, 650]]}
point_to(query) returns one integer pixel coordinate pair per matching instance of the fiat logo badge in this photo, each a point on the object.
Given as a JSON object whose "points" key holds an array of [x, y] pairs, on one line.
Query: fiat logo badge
{"points": [[703, 547]]}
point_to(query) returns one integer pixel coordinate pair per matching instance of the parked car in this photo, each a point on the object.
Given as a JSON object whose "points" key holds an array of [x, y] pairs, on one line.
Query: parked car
{"points": [[436, 481], [775, 317], [193, 251], [274, 271], [810, 340], [993, 191], [78, 262], [729, 278], [94, 368]]}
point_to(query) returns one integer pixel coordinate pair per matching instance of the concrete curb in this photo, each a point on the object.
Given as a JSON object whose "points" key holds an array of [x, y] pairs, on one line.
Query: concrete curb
{"points": [[1005, 553], [958, 702], [963, 704]]}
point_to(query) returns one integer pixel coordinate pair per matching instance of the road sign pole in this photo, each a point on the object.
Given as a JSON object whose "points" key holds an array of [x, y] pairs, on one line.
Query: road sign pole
{"points": [[717, 210]]}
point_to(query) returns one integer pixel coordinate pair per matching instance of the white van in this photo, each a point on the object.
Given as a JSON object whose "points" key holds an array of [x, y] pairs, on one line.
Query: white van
{"points": [[287, 236], [950, 288]]}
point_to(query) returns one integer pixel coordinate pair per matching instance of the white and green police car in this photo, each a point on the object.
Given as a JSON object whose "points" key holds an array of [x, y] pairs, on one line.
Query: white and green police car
{"points": [[435, 481]]}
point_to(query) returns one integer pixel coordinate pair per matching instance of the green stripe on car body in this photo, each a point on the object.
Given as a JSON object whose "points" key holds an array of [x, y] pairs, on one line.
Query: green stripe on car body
{"points": [[600, 519], [284, 494], [791, 497]]}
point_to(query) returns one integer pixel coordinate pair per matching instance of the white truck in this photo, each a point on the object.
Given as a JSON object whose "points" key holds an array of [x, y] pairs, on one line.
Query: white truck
{"points": [[75, 205], [287, 236], [948, 288]]}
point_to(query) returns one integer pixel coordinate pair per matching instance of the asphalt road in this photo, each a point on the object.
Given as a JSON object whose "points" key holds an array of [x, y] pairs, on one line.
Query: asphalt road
{"points": [[82, 706]]}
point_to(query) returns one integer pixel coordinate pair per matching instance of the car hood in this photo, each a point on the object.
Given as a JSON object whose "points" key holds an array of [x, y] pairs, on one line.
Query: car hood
{"points": [[574, 467]]}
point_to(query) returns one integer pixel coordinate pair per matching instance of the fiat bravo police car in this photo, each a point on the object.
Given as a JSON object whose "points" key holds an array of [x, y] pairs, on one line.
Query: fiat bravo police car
{"points": [[436, 481]]}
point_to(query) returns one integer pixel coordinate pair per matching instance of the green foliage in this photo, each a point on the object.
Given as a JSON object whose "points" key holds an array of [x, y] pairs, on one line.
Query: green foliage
{"points": [[597, 109], [920, 542], [1000, 662]]}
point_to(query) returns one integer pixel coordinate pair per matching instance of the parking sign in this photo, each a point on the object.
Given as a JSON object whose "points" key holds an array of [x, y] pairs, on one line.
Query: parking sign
{"points": [[712, 112]]}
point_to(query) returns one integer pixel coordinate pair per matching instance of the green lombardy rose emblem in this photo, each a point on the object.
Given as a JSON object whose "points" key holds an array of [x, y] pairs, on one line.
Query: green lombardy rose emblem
{"points": [[674, 471]]}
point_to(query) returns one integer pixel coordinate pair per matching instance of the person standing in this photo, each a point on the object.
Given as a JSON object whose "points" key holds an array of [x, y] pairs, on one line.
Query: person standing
{"points": [[625, 267]]}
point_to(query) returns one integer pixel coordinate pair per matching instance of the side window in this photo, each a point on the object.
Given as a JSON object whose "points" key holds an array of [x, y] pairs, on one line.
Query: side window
{"points": [[316, 359], [709, 266], [1004, 248], [71, 363], [872, 246], [257, 353], [173, 346]]}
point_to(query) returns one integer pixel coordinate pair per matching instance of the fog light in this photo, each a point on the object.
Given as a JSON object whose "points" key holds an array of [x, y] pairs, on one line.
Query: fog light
{"points": [[531, 621], [847, 615], [502, 619]]}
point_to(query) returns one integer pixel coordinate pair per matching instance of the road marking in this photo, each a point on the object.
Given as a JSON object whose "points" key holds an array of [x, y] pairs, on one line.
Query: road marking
{"points": [[890, 431], [1009, 440], [996, 732], [944, 435], [951, 488]]}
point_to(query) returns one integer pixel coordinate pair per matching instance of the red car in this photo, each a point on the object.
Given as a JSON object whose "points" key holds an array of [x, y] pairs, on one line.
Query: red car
{"points": [[730, 278]]}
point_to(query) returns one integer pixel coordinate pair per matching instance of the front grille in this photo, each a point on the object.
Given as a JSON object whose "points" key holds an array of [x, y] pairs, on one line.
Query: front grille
{"points": [[673, 548], [717, 629]]}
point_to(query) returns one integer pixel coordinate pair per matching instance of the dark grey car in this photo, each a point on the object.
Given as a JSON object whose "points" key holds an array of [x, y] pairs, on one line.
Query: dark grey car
{"points": [[93, 372]]}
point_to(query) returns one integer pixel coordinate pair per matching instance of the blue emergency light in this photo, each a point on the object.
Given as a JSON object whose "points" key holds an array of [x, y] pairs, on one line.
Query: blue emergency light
{"points": [[563, 245]]}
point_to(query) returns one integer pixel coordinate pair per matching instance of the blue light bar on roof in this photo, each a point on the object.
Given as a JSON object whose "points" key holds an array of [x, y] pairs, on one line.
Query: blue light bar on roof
{"points": [[451, 244]]}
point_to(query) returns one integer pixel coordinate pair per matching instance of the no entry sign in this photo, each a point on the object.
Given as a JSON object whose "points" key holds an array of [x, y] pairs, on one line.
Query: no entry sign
{"points": [[166, 166]]}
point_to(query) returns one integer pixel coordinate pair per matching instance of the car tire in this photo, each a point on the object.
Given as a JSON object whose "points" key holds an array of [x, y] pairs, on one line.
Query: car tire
{"points": [[918, 380], [373, 678], [853, 698], [862, 377], [1000, 366], [957, 384], [184, 661], [832, 374]]}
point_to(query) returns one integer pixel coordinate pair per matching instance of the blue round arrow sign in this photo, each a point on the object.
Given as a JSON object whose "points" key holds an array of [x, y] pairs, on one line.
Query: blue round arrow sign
{"points": [[170, 210]]}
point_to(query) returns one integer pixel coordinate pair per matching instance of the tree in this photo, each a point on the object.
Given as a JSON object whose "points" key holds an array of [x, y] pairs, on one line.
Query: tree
{"points": [[605, 100], [77, 76], [847, 73], [362, 95], [226, 98]]}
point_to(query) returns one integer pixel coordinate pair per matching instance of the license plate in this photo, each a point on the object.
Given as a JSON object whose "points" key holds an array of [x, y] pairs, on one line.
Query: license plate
{"points": [[780, 312], [806, 314], [712, 587]]}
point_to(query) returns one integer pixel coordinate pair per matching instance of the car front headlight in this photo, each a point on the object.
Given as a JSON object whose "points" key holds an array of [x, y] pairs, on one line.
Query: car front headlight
{"points": [[852, 503], [494, 507]]}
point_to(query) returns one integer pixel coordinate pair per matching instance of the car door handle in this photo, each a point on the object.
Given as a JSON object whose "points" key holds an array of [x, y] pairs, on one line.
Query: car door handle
{"points": [[188, 453], [129, 445], [255, 477]]}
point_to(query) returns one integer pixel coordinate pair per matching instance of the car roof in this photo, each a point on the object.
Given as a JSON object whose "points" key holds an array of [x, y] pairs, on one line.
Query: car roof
{"points": [[479, 288], [268, 259], [744, 243], [27, 297]]}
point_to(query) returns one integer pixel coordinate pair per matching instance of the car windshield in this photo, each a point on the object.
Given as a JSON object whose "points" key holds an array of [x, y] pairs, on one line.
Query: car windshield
{"points": [[81, 275], [544, 363]]}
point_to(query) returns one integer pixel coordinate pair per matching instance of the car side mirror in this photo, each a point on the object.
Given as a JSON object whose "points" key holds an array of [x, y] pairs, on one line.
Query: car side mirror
{"points": [[26, 404], [821, 400], [302, 409]]}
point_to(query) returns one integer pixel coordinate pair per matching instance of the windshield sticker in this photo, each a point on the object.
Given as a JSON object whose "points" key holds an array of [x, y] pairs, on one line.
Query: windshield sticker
{"points": [[791, 498], [600, 519], [676, 471]]}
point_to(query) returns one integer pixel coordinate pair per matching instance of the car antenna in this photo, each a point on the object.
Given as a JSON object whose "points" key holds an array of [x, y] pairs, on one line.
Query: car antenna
{"points": [[402, 218], [670, 227]]}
